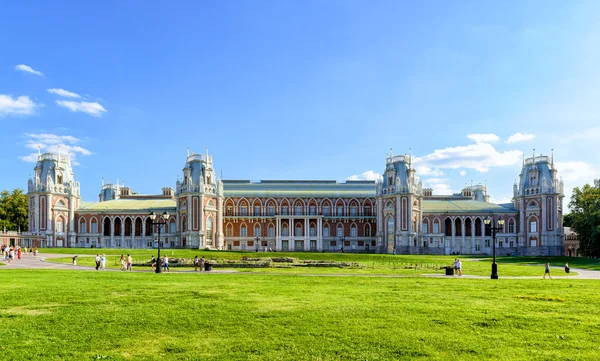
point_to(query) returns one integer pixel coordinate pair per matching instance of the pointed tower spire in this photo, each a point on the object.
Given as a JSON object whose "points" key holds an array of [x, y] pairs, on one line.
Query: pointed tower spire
{"points": [[59, 153], [103, 181], [409, 156], [534, 155], [207, 153], [188, 151], [39, 150], [69, 158], [391, 155], [552, 158]]}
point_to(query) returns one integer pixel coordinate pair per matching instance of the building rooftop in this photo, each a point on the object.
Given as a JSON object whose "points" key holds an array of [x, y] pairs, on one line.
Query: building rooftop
{"points": [[135, 205], [452, 205], [299, 188]]}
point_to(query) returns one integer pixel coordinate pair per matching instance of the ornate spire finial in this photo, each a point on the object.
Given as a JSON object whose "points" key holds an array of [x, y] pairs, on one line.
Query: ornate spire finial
{"points": [[391, 154], [552, 159], [533, 155], [59, 153], [188, 151], [39, 150]]}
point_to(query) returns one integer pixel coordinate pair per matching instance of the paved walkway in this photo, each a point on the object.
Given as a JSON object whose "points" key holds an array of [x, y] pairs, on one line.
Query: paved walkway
{"points": [[44, 261]]}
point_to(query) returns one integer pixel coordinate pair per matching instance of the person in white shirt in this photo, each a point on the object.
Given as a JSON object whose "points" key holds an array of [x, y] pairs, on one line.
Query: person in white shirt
{"points": [[459, 267], [97, 262], [166, 264], [103, 259]]}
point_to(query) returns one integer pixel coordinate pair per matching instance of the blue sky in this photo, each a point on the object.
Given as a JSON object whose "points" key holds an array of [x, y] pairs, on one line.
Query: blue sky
{"points": [[300, 89]]}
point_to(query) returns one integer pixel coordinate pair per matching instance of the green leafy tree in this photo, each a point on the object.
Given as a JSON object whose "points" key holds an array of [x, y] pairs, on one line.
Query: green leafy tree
{"points": [[585, 219], [568, 220], [13, 210]]}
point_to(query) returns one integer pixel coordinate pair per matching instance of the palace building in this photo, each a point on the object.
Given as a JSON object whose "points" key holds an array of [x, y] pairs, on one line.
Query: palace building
{"points": [[393, 214]]}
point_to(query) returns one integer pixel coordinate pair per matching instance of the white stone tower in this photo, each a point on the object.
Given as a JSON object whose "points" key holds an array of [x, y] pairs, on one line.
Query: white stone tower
{"points": [[200, 204], [53, 199], [399, 206], [539, 199]]}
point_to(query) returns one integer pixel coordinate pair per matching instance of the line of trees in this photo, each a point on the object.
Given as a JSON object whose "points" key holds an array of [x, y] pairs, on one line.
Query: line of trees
{"points": [[13, 210], [585, 218]]}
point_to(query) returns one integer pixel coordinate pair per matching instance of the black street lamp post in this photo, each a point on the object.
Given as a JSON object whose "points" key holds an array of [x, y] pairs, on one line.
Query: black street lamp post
{"points": [[489, 223], [160, 224], [257, 239], [342, 239]]}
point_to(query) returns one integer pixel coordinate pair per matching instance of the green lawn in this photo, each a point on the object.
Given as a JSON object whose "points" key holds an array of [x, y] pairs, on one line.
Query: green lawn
{"points": [[383, 264], [63, 315]]}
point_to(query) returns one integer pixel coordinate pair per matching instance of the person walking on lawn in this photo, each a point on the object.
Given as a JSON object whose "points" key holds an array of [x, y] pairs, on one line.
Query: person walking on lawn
{"points": [[97, 261], [166, 265], [547, 271]]}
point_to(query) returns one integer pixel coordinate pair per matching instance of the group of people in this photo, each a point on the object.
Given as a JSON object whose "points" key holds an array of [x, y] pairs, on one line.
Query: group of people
{"points": [[126, 263], [199, 263], [165, 263], [10, 253], [457, 267], [547, 269]]}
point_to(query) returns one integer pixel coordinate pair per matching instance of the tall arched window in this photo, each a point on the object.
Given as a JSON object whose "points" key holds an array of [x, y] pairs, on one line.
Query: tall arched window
{"points": [[425, 226], [448, 227], [209, 229], [390, 229], [243, 231], [271, 231], [106, 227], [82, 226], [353, 231], [60, 224], [368, 230], [183, 224], [94, 226], [172, 226], [326, 230], [313, 230], [340, 230], [256, 230], [229, 230], [284, 230]]}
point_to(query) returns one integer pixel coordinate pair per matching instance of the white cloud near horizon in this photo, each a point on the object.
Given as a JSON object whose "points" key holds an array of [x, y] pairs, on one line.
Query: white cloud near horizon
{"points": [[16, 106], [484, 138], [439, 186], [479, 156], [519, 137], [368, 175], [28, 69], [63, 93], [426, 171], [91, 108], [50, 143], [463, 173]]}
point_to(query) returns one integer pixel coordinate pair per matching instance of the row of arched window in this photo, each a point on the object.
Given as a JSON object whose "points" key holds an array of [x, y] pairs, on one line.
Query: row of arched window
{"points": [[468, 224], [351, 208], [125, 228], [298, 230]]}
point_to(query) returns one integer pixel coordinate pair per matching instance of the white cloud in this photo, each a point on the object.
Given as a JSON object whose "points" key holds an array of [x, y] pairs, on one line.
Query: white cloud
{"points": [[439, 186], [463, 173], [63, 93], [91, 108], [426, 171], [50, 143], [480, 156], [484, 138], [501, 199], [18, 106], [577, 172], [368, 175], [519, 137], [28, 69]]}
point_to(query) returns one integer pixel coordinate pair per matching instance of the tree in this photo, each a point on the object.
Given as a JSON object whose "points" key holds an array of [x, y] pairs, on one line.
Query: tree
{"points": [[568, 220], [13, 210], [585, 220]]}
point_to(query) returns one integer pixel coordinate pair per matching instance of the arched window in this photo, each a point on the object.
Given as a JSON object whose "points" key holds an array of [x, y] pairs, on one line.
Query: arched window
{"points": [[256, 230], [138, 226], [353, 230], [118, 227], [106, 228], [209, 229], [127, 229], [271, 231], [60, 224], [284, 230], [243, 231], [478, 227], [172, 226], [468, 227], [184, 224], [326, 230], [448, 227], [511, 226], [313, 230], [59, 179], [82, 226], [94, 226], [532, 225], [368, 230], [425, 226], [340, 230], [458, 227], [390, 229], [436, 226], [298, 230], [229, 230]]}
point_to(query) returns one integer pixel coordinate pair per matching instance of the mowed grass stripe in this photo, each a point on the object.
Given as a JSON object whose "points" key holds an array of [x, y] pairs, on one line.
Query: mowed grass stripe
{"points": [[54, 315]]}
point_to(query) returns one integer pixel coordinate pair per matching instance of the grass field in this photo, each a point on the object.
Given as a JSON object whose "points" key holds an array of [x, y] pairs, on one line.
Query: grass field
{"points": [[368, 263], [62, 315]]}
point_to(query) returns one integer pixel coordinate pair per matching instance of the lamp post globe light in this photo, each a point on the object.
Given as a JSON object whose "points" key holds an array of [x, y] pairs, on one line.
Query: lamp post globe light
{"points": [[492, 226], [160, 224]]}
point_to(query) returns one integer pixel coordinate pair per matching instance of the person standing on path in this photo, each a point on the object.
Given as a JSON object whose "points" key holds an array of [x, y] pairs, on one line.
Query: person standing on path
{"points": [[97, 259], [103, 260], [166, 265], [567, 269], [123, 263], [459, 263], [547, 271], [196, 263], [74, 260], [202, 261], [129, 263]]}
